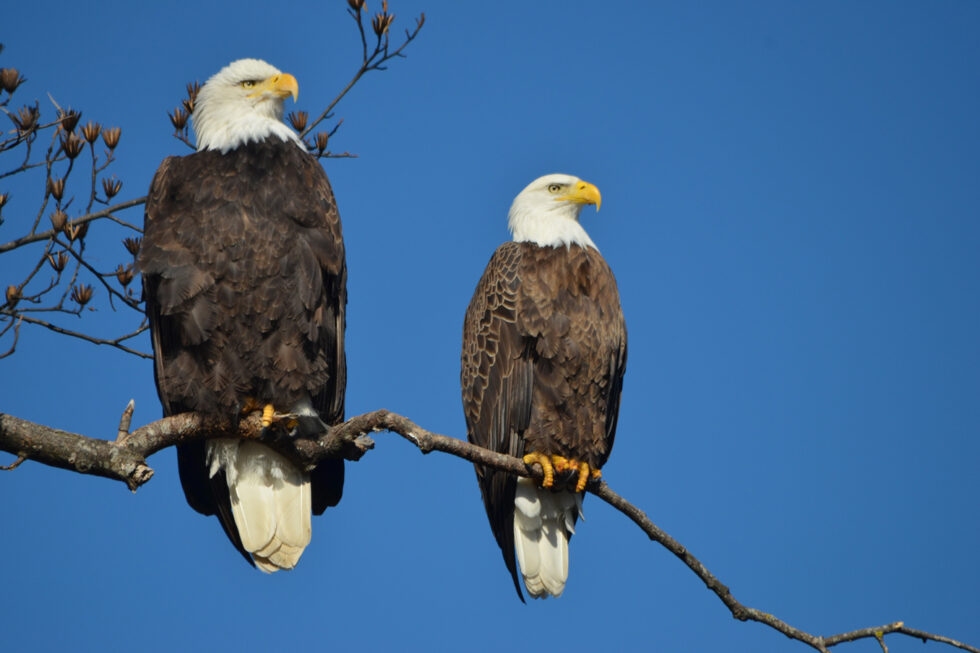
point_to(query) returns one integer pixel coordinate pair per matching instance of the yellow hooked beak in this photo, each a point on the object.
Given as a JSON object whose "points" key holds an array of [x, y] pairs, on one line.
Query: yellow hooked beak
{"points": [[279, 85], [583, 193]]}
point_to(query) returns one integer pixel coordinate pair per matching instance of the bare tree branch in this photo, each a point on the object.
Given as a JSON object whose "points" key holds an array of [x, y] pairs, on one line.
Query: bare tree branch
{"points": [[370, 62], [63, 154], [14, 465], [45, 235], [131, 302], [911, 632], [124, 459], [115, 342]]}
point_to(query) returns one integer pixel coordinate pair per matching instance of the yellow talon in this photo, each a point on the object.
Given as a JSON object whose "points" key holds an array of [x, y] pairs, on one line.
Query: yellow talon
{"points": [[542, 459], [583, 476], [267, 412], [555, 463]]}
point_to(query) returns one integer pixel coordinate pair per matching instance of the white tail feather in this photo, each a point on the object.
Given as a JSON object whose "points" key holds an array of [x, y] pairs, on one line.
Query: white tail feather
{"points": [[542, 522], [270, 501]]}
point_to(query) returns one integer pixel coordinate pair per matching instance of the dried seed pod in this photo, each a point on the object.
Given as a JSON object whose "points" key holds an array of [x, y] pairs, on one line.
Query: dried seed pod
{"points": [[75, 231], [192, 90], [124, 274], [111, 187], [81, 294], [72, 145], [13, 295], [10, 79], [26, 118], [133, 245], [58, 219], [58, 262], [110, 136], [56, 187], [91, 131], [3, 199], [298, 120], [381, 22], [321, 142], [356, 5], [69, 119], [178, 118]]}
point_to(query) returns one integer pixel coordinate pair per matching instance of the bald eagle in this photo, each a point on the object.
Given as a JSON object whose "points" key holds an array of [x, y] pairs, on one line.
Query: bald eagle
{"points": [[543, 357], [245, 286]]}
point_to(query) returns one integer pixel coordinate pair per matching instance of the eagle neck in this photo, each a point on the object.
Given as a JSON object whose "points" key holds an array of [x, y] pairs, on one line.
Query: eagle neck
{"points": [[548, 227], [242, 130]]}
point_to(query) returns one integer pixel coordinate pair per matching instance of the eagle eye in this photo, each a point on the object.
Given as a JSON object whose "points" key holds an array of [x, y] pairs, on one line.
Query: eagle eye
{"points": [[554, 188], [248, 83]]}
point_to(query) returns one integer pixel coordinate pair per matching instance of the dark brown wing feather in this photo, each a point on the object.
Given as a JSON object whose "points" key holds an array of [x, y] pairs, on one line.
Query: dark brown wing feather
{"points": [[496, 378], [544, 352], [245, 285]]}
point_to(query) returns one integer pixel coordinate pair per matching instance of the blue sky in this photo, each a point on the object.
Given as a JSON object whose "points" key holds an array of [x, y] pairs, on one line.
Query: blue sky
{"points": [[790, 205]]}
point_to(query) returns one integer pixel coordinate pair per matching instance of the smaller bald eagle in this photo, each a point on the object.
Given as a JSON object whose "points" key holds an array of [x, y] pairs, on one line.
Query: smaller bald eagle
{"points": [[245, 286], [544, 352]]}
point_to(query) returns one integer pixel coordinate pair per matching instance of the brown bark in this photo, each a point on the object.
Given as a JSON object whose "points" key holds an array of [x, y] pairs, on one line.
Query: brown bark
{"points": [[125, 460]]}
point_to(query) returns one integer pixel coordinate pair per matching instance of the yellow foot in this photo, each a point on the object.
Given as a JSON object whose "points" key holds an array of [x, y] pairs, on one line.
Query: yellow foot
{"points": [[267, 412], [543, 460], [583, 476], [585, 472], [270, 417], [562, 464], [559, 464]]}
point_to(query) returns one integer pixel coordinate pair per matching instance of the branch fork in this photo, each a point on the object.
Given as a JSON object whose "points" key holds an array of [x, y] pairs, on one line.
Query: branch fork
{"points": [[124, 459]]}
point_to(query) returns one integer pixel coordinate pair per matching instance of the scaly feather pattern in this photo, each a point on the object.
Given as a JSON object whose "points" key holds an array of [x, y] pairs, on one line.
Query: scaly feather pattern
{"points": [[544, 351]]}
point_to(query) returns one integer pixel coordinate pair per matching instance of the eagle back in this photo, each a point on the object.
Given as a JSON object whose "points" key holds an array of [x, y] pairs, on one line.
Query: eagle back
{"points": [[245, 280]]}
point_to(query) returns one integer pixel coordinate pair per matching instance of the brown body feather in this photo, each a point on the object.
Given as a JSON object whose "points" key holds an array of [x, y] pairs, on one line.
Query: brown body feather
{"points": [[544, 352], [245, 285]]}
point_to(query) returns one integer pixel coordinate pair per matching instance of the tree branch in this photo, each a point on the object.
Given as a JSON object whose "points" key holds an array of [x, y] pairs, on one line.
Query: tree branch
{"points": [[45, 235], [370, 62], [115, 342], [124, 459]]}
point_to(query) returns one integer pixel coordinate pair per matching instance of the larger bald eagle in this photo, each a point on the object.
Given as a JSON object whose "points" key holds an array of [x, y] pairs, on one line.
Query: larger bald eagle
{"points": [[544, 352], [245, 286]]}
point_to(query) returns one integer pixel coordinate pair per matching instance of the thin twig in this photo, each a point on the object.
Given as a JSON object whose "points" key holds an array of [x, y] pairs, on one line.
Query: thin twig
{"points": [[368, 63], [13, 346], [331, 155], [117, 342], [881, 641], [27, 166], [125, 421], [101, 276], [924, 636], [878, 632], [44, 235], [183, 138], [14, 465]]}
